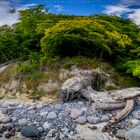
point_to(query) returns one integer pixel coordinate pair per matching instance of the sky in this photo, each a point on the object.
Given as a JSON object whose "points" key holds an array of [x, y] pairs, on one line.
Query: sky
{"points": [[125, 8]]}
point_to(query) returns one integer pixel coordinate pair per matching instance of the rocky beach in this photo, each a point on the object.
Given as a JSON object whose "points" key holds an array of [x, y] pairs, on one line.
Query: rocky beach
{"points": [[62, 121]]}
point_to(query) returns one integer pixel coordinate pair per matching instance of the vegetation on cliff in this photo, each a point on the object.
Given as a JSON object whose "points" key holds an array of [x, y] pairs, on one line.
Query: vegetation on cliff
{"points": [[45, 39]]}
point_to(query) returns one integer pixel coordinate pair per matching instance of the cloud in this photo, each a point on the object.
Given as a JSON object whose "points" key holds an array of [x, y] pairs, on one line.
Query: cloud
{"points": [[116, 10], [8, 18], [126, 7], [26, 6], [5, 17], [135, 16], [59, 8], [129, 2]]}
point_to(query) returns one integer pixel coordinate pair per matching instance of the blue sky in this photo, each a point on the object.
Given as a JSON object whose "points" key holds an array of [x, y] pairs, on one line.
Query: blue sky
{"points": [[127, 8]]}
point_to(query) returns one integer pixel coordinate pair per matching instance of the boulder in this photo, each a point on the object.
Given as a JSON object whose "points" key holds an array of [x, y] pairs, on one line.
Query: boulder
{"points": [[133, 134], [30, 131], [76, 84]]}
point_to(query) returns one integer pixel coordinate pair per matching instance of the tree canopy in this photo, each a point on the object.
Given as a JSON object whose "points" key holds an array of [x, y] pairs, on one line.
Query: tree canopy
{"points": [[50, 35]]}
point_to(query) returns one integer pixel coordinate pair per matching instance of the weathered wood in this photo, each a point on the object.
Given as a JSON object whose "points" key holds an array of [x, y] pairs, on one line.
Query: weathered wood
{"points": [[110, 106], [126, 111]]}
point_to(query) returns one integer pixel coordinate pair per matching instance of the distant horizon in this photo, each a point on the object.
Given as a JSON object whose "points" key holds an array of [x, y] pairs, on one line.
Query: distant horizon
{"points": [[128, 9]]}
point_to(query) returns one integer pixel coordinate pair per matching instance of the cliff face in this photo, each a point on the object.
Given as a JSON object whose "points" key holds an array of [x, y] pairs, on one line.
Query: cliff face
{"points": [[45, 88]]}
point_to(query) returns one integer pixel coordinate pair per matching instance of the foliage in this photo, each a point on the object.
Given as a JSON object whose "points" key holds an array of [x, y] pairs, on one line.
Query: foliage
{"points": [[51, 39], [133, 67]]}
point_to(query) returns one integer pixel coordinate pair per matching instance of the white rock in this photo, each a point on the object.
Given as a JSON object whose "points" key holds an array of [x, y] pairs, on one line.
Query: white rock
{"points": [[46, 125], [52, 115]]}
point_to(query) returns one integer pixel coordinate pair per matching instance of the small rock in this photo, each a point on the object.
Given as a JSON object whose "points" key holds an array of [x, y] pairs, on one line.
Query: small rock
{"points": [[5, 110], [120, 133], [31, 111], [135, 122], [105, 118], [58, 107], [92, 127], [5, 118], [7, 135], [47, 125], [75, 113], [81, 120], [52, 115], [44, 113], [51, 133], [93, 120], [136, 115], [40, 129], [30, 131], [22, 122]]}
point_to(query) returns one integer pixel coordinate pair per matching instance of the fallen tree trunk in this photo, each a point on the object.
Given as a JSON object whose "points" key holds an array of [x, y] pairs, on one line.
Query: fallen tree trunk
{"points": [[126, 111]]}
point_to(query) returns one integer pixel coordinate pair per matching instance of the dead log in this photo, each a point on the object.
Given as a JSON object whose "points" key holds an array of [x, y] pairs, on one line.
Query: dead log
{"points": [[124, 94], [110, 106], [125, 112]]}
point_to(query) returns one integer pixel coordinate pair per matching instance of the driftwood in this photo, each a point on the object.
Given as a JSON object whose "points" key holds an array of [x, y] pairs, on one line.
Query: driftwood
{"points": [[81, 86], [126, 111], [110, 106]]}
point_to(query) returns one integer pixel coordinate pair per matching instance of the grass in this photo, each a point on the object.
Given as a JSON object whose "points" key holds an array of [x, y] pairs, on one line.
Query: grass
{"points": [[8, 74]]}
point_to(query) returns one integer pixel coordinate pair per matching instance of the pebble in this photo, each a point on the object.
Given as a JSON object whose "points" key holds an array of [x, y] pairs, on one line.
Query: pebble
{"points": [[120, 133], [135, 122], [22, 122], [44, 113], [81, 120], [105, 118], [75, 113], [92, 127], [5, 110], [58, 107], [93, 120], [47, 125], [5, 118], [52, 115]]}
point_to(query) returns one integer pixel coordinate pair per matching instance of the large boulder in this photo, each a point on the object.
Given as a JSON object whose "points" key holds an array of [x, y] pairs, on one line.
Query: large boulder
{"points": [[133, 134], [76, 84]]}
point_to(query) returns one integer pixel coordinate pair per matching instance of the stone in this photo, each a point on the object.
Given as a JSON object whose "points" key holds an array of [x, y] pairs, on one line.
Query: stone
{"points": [[52, 115], [40, 129], [44, 113], [86, 133], [31, 111], [93, 120], [51, 133], [135, 122], [22, 122], [133, 134], [76, 84], [29, 131], [105, 118], [75, 113], [47, 125], [81, 120], [120, 133], [58, 106], [5, 118], [5, 110], [93, 127], [136, 115]]}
